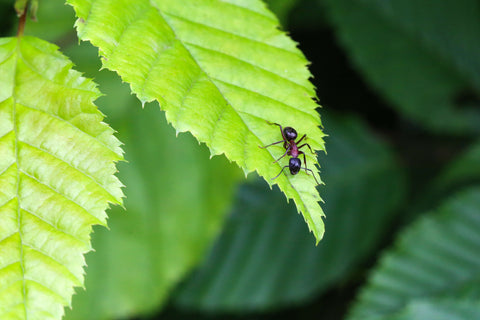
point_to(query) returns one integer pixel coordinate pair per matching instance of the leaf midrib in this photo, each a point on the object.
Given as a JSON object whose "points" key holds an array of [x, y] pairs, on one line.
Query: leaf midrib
{"points": [[17, 182]]}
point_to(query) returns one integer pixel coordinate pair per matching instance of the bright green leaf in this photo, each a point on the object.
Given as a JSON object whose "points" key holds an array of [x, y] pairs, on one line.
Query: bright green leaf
{"points": [[265, 257], [219, 69], [435, 257], [57, 170]]}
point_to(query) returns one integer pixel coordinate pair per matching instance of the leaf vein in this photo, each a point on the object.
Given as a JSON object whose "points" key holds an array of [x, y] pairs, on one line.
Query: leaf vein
{"points": [[72, 125], [66, 272], [246, 62], [158, 55], [14, 306], [228, 32], [55, 227], [70, 165], [189, 90], [63, 85], [274, 21], [262, 95], [17, 182], [6, 169], [61, 194], [138, 15], [6, 134], [7, 57]]}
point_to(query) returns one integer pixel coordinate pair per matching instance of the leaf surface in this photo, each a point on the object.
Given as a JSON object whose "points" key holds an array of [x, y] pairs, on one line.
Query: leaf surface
{"points": [[264, 258], [219, 69], [435, 257], [56, 176]]}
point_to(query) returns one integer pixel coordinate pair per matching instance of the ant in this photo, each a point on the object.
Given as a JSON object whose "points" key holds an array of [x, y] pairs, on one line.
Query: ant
{"points": [[292, 149]]}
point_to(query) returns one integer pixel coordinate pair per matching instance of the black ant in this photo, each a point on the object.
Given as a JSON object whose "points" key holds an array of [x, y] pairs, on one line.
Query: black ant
{"points": [[292, 149]]}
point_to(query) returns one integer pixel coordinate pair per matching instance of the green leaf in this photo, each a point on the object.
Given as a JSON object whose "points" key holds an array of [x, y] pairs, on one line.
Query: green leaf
{"points": [[264, 259], [435, 257], [422, 56], [219, 69], [56, 176], [176, 202], [439, 309]]}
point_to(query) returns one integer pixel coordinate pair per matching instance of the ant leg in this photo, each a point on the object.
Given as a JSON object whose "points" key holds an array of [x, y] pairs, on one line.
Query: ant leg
{"points": [[304, 161], [306, 144], [279, 173], [271, 144], [312, 175], [303, 137], [281, 129], [286, 152]]}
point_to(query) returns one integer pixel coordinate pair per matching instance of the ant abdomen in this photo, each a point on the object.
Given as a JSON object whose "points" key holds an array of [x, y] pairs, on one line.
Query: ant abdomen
{"points": [[294, 165]]}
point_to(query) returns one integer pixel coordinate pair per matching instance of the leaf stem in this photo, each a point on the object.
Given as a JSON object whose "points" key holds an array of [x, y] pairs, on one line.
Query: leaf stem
{"points": [[21, 22]]}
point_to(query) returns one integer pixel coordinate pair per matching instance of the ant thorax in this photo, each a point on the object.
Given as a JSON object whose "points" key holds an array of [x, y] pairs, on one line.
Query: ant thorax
{"points": [[293, 150]]}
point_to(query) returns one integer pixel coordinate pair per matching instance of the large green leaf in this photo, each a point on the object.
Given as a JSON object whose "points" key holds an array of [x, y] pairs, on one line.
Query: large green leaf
{"points": [[176, 201], [219, 69], [56, 176], [264, 259], [435, 257], [421, 55]]}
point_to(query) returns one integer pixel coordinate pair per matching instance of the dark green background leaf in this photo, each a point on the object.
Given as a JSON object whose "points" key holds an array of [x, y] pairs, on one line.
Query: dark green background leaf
{"points": [[423, 65], [437, 256]]}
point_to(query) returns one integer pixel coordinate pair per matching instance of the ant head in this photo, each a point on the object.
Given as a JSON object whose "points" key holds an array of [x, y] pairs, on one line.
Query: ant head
{"points": [[294, 165], [290, 133]]}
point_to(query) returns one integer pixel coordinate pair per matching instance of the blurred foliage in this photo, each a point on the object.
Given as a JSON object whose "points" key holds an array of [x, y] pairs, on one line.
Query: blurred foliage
{"points": [[464, 169], [422, 56], [437, 256], [406, 76], [439, 309]]}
